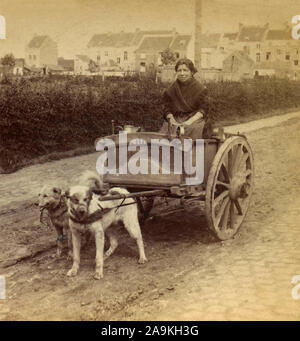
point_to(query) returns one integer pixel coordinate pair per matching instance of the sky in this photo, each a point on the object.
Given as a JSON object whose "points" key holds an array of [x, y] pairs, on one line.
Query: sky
{"points": [[71, 23]]}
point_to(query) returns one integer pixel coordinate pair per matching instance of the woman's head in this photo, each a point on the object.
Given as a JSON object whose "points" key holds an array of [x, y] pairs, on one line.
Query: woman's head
{"points": [[185, 69]]}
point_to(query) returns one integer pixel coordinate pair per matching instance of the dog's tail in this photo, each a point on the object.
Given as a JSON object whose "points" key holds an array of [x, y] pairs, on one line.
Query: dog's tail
{"points": [[92, 180]]}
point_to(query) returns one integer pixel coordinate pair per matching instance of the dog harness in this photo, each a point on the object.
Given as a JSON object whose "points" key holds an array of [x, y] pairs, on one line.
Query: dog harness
{"points": [[60, 209], [93, 217]]}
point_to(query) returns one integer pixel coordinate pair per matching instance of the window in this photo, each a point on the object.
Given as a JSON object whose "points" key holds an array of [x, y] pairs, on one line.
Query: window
{"points": [[98, 58], [118, 60], [30, 56], [106, 53], [287, 57], [258, 46], [268, 55], [34, 57], [257, 57], [296, 62], [246, 49], [278, 51], [125, 55]]}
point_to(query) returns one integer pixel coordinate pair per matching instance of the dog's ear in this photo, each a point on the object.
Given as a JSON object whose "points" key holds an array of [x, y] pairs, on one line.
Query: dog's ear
{"points": [[67, 193], [56, 190], [90, 194]]}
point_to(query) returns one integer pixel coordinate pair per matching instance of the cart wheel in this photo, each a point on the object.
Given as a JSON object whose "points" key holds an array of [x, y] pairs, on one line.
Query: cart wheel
{"points": [[229, 187]]}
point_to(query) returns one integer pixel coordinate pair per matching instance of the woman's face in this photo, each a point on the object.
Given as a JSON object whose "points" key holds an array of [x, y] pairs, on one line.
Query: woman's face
{"points": [[183, 73]]}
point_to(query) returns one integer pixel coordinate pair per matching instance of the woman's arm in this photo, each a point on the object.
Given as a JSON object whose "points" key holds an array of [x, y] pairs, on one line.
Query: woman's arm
{"points": [[193, 119]]}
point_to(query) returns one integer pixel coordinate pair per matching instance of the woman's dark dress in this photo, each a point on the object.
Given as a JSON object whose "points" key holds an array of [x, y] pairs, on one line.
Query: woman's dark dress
{"points": [[184, 100]]}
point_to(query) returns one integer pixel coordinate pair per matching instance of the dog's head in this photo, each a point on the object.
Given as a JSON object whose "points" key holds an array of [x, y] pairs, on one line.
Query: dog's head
{"points": [[78, 201], [49, 197]]}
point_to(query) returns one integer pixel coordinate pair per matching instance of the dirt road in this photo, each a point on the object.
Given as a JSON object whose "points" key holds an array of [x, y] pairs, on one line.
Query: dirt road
{"points": [[189, 276]]}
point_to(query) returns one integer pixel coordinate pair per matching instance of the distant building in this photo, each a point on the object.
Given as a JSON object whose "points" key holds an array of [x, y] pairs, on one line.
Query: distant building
{"points": [[127, 50], [148, 54], [250, 39], [67, 65], [41, 51], [273, 52], [81, 65], [238, 65], [18, 69]]}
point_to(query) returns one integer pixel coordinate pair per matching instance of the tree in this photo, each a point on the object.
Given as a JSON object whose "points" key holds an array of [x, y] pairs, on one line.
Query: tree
{"points": [[168, 57], [8, 60]]}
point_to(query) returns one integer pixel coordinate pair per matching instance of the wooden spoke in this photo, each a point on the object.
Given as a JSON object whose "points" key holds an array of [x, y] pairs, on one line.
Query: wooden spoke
{"points": [[232, 167], [221, 183], [243, 160], [221, 197], [230, 162], [231, 215], [238, 207], [248, 172], [221, 211], [225, 172], [226, 215], [237, 157]]}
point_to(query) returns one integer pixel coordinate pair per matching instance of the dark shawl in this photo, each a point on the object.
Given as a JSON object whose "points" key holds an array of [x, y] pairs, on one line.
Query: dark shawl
{"points": [[185, 98]]}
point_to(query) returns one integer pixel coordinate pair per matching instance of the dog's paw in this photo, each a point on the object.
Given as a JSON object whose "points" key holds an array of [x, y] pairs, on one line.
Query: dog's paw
{"points": [[98, 275], [70, 255], [143, 260], [72, 272], [58, 253]]}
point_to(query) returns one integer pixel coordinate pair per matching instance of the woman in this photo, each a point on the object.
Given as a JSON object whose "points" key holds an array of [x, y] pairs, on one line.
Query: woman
{"points": [[185, 102]]}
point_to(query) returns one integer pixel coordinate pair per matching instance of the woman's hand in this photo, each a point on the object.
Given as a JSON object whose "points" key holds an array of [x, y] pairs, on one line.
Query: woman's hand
{"points": [[172, 120], [193, 119]]}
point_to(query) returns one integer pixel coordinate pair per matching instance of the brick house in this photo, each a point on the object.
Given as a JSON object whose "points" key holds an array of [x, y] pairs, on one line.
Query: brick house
{"points": [[81, 65], [281, 53], [67, 64], [122, 47], [238, 65], [148, 54], [18, 69], [41, 51], [117, 47]]}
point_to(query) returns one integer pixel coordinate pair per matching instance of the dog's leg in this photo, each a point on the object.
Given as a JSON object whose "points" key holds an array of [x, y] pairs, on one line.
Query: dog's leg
{"points": [[70, 246], [60, 242], [132, 225], [99, 240], [113, 241], [76, 253]]}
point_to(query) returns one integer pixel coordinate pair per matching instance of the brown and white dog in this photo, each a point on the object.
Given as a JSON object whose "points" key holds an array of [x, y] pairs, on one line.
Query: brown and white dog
{"points": [[82, 203], [52, 200]]}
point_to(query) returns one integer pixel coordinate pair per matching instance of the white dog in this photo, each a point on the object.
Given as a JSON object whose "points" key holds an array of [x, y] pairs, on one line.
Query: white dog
{"points": [[87, 212]]}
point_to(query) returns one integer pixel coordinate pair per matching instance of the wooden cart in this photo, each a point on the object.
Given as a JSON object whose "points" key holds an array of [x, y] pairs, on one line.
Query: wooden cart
{"points": [[226, 188]]}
